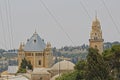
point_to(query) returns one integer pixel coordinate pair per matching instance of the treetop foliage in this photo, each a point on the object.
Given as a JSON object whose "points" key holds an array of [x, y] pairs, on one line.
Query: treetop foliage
{"points": [[25, 65]]}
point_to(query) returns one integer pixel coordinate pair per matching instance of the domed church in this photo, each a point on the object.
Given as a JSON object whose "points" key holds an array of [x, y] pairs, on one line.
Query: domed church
{"points": [[36, 51]]}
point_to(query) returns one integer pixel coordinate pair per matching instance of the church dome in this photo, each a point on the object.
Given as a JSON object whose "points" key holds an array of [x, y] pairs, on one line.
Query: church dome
{"points": [[54, 77], [63, 65], [35, 43]]}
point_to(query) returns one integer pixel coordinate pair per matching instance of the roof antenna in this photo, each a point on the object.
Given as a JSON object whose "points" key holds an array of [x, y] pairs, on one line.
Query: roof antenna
{"points": [[35, 30], [95, 14]]}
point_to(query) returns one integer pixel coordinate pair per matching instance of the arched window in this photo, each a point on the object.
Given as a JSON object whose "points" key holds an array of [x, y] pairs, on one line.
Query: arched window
{"points": [[96, 46], [39, 62], [95, 33], [35, 41], [95, 38], [41, 78]]}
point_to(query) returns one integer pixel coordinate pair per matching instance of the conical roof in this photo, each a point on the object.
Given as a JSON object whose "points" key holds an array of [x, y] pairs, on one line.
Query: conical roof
{"points": [[35, 43], [95, 21]]}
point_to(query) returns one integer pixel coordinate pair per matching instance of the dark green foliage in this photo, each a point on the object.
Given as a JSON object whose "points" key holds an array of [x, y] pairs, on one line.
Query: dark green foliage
{"points": [[21, 70], [112, 57], [30, 65], [97, 68], [78, 74], [80, 69], [25, 65], [81, 65]]}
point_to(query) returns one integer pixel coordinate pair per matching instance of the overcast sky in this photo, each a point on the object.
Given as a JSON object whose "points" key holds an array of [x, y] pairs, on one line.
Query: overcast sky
{"points": [[24, 16]]}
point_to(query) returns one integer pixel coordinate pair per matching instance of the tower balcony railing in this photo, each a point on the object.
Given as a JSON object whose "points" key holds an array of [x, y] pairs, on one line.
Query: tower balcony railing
{"points": [[99, 40]]}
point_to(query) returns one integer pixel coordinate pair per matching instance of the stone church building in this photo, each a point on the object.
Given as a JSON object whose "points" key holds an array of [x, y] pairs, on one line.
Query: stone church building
{"points": [[36, 51], [96, 40], [40, 55]]}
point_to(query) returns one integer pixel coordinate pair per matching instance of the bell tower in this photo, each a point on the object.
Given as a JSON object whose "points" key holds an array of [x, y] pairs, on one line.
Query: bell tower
{"points": [[96, 40]]}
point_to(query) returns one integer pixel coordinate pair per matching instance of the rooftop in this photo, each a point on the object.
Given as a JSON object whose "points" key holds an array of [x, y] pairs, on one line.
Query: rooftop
{"points": [[35, 43], [63, 65]]}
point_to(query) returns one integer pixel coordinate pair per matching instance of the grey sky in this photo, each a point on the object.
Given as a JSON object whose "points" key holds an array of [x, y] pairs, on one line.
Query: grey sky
{"points": [[28, 15]]}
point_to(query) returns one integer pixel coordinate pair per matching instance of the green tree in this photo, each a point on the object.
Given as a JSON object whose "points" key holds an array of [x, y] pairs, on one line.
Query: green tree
{"points": [[97, 68], [81, 65], [75, 75], [112, 57], [25, 64], [78, 74], [30, 65], [80, 69]]}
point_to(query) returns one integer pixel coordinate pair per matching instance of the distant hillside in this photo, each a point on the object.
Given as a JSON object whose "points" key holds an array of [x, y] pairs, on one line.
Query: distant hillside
{"points": [[108, 45], [8, 54], [70, 50], [78, 52], [73, 52], [79, 49]]}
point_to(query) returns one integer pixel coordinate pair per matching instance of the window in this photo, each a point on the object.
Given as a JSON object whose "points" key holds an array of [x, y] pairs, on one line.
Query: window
{"points": [[39, 62], [96, 46], [35, 41], [41, 78], [95, 38], [36, 54], [95, 33], [39, 54]]}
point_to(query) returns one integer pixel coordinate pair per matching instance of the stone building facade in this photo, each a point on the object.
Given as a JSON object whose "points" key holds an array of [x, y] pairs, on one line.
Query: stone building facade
{"points": [[96, 40], [36, 51]]}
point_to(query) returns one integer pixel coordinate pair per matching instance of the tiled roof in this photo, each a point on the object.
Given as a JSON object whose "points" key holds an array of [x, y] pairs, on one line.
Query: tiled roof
{"points": [[35, 43]]}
